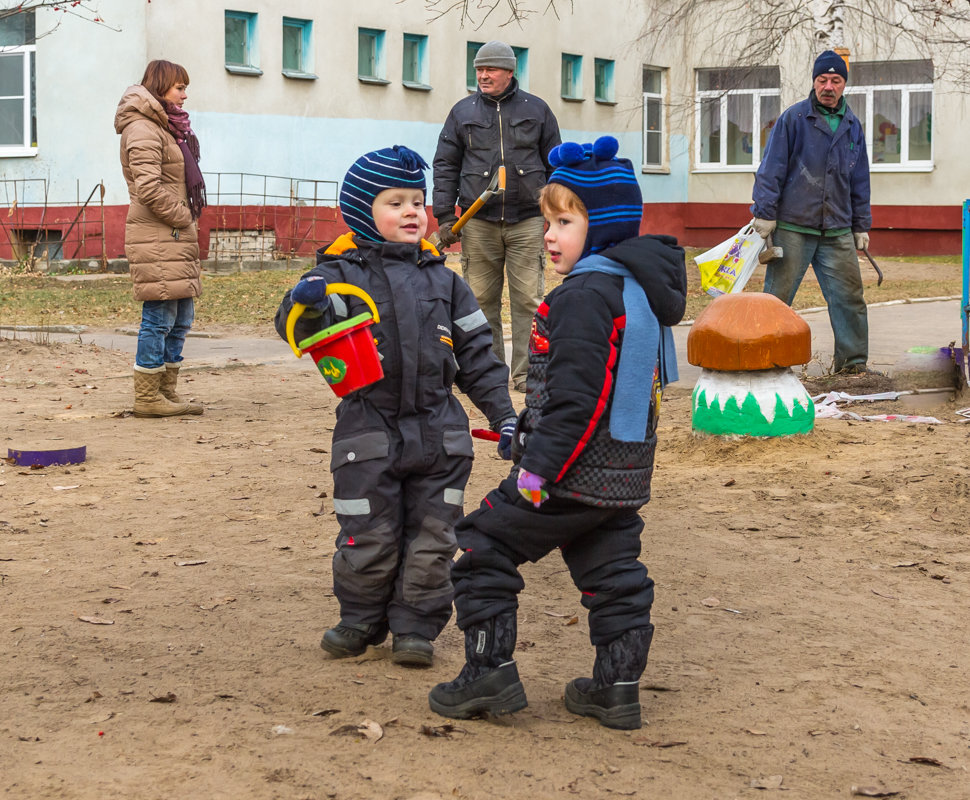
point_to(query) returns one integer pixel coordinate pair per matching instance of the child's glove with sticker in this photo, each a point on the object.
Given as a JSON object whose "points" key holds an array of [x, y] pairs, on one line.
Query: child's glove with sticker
{"points": [[530, 487]]}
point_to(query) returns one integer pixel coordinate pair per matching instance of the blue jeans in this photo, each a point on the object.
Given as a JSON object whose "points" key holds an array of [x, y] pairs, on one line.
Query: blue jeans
{"points": [[164, 324], [836, 267]]}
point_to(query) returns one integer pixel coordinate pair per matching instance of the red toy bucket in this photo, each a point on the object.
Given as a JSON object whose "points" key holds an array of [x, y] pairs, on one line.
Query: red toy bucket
{"points": [[346, 355]]}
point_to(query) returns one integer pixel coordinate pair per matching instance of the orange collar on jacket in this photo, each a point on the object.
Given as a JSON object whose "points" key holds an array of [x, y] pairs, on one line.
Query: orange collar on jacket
{"points": [[346, 242]]}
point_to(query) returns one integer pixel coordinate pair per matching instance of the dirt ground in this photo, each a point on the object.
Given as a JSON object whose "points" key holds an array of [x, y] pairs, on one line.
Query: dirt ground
{"points": [[164, 601]]}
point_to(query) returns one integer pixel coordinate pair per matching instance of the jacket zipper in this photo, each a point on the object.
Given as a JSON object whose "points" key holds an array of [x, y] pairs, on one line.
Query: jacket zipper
{"points": [[501, 148]]}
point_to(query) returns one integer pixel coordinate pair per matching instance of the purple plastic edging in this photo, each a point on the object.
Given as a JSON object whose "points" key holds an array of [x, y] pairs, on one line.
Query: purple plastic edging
{"points": [[47, 458]]}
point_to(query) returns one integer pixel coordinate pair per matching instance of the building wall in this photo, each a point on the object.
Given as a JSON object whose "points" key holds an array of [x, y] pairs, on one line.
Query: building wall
{"points": [[313, 129]]}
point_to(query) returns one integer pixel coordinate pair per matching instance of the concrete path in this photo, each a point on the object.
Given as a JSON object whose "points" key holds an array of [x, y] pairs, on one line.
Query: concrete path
{"points": [[893, 330]]}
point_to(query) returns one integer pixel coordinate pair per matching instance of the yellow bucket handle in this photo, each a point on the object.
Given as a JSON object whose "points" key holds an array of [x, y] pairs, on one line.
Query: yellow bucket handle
{"points": [[333, 288]]}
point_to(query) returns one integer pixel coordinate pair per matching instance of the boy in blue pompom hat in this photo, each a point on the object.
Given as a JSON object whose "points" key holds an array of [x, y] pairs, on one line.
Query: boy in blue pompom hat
{"points": [[401, 451], [584, 447]]}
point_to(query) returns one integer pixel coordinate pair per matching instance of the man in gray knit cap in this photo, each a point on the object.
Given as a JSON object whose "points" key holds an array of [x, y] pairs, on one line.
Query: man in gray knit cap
{"points": [[499, 125]]}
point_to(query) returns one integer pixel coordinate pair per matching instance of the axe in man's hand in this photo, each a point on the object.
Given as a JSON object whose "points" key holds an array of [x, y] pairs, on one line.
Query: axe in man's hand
{"points": [[495, 188]]}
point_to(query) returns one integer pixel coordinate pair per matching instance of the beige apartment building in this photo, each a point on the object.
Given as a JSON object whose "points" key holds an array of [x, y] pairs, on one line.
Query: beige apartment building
{"points": [[285, 94]]}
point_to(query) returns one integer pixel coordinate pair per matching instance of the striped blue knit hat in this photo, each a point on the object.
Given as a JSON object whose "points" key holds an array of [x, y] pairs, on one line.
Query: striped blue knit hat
{"points": [[389, 168], [607, 186]]}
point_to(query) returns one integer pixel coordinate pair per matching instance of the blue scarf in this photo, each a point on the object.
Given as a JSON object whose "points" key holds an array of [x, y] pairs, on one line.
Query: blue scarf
{"points": [[645, 342]]}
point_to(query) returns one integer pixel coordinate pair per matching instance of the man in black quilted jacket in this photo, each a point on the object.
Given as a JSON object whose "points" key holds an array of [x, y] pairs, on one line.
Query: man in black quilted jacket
{"points": [[500, 125], [600, 353]]}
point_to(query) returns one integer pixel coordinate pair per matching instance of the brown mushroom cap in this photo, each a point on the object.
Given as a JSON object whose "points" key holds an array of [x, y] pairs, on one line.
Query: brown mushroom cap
{"points": [[747, 331]]}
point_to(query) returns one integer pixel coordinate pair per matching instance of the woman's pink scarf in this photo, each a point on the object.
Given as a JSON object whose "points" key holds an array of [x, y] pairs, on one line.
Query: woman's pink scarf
{"points": [[181, 129]]}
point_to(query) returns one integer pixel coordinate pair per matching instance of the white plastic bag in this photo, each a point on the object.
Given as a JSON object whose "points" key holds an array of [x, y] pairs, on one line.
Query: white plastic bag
{"points": [[726, 267]]}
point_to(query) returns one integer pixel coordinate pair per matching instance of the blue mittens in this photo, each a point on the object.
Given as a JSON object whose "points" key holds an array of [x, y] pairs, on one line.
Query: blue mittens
{"points": [[311, 291], [506, 432]]}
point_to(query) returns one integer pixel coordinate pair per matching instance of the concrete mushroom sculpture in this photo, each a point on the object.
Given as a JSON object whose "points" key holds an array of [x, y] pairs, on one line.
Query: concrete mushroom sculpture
{"points": [[746, 344]]}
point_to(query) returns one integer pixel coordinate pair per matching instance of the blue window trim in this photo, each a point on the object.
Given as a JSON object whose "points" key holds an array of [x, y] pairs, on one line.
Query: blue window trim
{"points": [[380, 69], [471, 50], [575, 63], [522, 66], [305, 72], [420, 81], [251, 67], [607, 65]]}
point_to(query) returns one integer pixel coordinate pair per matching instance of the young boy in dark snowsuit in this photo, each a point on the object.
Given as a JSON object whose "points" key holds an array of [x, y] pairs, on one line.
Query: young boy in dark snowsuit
{"points": [[599, 356], [401, 452]]}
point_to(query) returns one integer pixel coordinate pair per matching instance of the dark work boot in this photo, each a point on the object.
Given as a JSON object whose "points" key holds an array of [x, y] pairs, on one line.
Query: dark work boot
{"points": [[347, 639], [412, 650], [488, 684], [612, 695]]}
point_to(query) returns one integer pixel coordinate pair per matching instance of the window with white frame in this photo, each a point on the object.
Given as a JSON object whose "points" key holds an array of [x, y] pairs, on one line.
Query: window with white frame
{"points": [[894, 102], [370, 56], [603, 91], [736, 109], [414, 72], [572, 77], [18, 93], [298, 48], [653, 118], [241, 44]]}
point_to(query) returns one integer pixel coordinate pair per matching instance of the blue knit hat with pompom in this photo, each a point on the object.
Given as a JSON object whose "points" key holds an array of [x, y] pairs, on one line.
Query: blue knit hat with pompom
{"points": [[389, 168], [607, 186]]}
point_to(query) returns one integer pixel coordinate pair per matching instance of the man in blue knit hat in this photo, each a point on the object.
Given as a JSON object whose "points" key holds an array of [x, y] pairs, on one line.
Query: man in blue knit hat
{"points": [[584, 447], [811, 194], [401, 451]]}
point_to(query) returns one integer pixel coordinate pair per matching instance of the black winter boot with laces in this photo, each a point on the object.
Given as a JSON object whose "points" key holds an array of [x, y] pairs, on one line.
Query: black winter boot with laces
{"points": [[612, 695], [488, 684], [348, 639]]}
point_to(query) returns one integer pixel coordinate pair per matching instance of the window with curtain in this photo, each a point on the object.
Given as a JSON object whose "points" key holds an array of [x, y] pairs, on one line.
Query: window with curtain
{"points": [[736, 108], [894, 102]]}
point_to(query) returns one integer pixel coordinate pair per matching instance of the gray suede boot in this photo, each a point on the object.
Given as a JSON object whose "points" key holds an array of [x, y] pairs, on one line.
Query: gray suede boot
{"points": [[612, 695], [489, 682]]}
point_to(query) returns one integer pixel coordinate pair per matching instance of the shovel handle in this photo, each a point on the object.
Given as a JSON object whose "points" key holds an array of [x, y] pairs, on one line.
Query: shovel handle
{"points": [[485, 433], [333, 288], [499, 187]]}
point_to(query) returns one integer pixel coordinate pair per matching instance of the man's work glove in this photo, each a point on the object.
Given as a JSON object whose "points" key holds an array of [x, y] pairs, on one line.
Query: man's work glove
{"points": [[312, 292], [861, 240], [506, 432], [763, 227], [530, 487], [445, 235]]}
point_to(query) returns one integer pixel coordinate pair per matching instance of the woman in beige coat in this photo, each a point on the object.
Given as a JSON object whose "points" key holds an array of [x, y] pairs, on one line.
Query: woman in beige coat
{"points": [[159, 157]]}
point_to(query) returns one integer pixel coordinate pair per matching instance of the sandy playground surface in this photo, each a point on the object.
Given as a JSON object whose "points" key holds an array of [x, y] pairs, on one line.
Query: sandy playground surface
{"points": [[163, 603]]}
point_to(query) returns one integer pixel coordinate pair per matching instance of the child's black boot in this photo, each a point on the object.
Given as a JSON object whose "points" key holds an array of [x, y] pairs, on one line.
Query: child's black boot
{"points": [[412, 650], [347, 639], [489, 682], [612, 695]]}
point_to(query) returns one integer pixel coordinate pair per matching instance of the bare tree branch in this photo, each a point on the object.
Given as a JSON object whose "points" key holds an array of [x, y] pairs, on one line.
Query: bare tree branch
{"points": [[82, 9], [476, 12]]}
